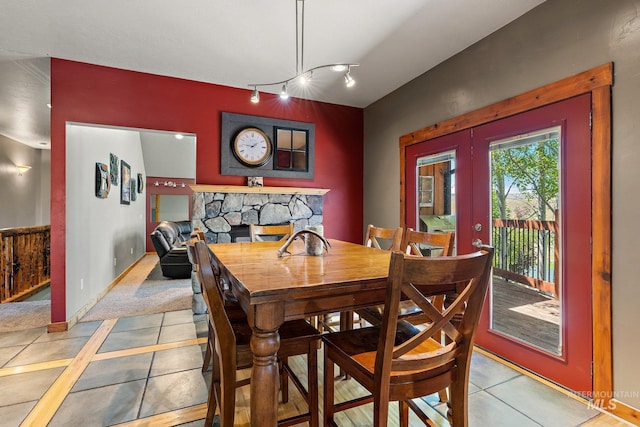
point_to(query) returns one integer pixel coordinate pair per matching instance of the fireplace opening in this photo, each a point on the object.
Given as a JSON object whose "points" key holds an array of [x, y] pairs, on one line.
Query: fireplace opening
{"points": [[240, 233]]}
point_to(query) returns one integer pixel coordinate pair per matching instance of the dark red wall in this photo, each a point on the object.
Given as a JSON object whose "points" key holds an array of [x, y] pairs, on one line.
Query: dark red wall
{"points": [[86, 93]]}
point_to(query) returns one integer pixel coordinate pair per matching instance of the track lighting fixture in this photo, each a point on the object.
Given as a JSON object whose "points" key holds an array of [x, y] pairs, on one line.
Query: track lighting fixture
{"points": [[303, 77]]}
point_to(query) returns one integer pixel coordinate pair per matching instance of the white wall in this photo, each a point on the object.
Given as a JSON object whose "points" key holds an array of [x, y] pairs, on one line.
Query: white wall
{"points": [[22, 197], [43, 205], [100, 232], [166, 156]]}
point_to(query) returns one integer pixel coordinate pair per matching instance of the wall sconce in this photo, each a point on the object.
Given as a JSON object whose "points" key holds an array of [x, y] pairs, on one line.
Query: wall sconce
{"points": [[22, 169]]}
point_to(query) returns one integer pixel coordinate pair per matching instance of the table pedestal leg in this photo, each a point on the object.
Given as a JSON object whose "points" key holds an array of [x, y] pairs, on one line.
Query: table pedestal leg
{"points": [[264, 378]]}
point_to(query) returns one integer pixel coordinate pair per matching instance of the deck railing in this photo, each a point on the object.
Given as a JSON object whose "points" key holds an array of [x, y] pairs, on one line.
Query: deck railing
{"points": [[527, 252], [24, 261]]}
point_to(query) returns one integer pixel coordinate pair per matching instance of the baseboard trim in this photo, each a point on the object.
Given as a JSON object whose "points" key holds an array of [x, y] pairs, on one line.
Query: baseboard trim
{"points": [[624, 411], [58, 327]]}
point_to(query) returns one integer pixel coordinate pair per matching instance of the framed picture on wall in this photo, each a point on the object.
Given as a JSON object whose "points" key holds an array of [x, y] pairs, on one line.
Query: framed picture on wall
{"points": [[103, 183], [125, 179], [140, 183], [113, 172], [133, 190]]}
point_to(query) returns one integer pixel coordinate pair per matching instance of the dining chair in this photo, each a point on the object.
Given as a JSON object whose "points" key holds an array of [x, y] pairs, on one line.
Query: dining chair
{"points": [[419, 243], [375, 237], [229, 345], [398, 361], [383, 238], [272, 232], [198, 234]]}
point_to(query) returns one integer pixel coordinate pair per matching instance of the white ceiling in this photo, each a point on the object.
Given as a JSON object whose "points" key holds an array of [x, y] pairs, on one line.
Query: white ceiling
{"points": [[234, 43]]}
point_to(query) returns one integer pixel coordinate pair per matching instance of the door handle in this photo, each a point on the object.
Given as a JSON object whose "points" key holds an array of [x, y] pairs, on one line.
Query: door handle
{"points": [[477, 243]]}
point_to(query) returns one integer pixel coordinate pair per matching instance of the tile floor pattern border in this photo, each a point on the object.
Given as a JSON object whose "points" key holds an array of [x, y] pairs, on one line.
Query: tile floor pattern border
{"points": [[42, 412], [497, 391]]}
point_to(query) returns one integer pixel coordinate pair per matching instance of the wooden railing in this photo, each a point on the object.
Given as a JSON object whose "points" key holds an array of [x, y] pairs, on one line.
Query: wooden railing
{"points": [[527, 252], [24, 261]]}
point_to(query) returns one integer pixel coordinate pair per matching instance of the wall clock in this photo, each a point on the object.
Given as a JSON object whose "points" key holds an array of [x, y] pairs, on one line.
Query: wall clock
{"points": [[283, 143], [252, 147]]}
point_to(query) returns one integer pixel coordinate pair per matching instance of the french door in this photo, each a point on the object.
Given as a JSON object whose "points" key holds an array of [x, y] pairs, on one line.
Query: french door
{"points": [[523, 185]]}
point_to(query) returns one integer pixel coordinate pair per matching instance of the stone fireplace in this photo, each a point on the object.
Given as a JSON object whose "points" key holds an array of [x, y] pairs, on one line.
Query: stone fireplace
{"points": [[225, 212]]}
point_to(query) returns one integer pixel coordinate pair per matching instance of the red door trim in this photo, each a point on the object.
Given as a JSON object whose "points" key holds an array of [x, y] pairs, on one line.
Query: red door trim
{"points": [[598, 82]]}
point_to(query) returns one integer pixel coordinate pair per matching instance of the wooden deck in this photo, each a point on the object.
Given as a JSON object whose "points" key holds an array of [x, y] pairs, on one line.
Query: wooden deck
{"points": [[525, 314]]}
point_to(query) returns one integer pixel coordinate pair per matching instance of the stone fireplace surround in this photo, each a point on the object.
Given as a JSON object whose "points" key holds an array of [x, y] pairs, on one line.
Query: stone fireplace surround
{"points": [[224, 212]]}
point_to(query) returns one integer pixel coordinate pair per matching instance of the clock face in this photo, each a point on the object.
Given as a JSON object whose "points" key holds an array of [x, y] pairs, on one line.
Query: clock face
{"points": [[252, 147]]}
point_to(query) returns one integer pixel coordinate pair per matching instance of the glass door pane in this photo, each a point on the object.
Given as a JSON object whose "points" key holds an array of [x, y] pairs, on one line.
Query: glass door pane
{"points": [[525, 200], [435, 185]]}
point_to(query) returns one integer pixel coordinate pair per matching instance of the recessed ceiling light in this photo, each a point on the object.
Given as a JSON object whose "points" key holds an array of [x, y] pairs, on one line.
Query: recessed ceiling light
{"points": [[49, 105], [179, 136]]}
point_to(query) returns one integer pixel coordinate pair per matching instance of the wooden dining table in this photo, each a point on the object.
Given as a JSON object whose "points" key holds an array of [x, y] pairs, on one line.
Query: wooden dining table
{"points": [[272, 290]]}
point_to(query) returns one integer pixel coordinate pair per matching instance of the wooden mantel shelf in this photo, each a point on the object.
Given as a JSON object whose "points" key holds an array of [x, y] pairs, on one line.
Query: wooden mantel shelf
{"points": [[243, 189]]}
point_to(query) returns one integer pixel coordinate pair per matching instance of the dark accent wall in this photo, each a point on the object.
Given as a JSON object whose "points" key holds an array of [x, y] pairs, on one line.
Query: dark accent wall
{"points": [[557, 39], [85, 93]]}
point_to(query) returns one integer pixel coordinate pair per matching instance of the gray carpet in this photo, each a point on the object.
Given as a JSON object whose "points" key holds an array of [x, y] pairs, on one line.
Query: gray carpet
{"points": [[15, 316], [130, 297], [134, 295]]}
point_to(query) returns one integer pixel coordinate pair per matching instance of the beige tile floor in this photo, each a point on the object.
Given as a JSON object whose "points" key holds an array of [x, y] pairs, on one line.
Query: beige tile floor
{"points": [[146, 370]]}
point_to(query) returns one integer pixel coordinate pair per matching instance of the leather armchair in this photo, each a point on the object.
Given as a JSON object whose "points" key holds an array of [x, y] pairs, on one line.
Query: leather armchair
{"points": [[168, 239]]}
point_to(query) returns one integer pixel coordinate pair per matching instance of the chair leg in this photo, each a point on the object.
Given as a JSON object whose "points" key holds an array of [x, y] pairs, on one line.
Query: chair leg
{"points": [[457, 404], [284, 379], [442, 394], [227, 396], [380, 412], [346, 324], [328, 390], [212, 401], [312, 383], [346, 320], [403, 413]]}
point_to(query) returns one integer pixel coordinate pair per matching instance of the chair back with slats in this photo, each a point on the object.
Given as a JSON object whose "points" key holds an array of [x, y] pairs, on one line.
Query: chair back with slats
{"points": [[383, 238], [440, 243], [437, 244], [261, 233], [417, 358]]}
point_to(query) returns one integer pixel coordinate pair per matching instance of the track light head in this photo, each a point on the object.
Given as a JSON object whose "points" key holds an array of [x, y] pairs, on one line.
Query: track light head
{"points": [[255, 95], [283, 93], [348, 80]]}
